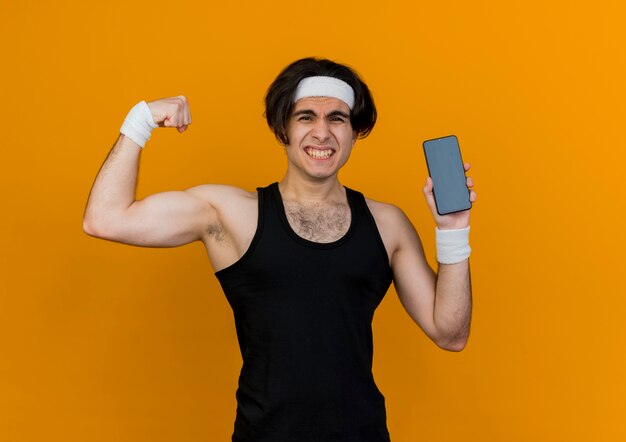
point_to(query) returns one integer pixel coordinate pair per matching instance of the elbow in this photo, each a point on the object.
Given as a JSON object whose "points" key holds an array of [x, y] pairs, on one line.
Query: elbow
{"points": [[457, 347], [453, 345], [92, 228], [453, 338], [88, 228], [103, 227]]}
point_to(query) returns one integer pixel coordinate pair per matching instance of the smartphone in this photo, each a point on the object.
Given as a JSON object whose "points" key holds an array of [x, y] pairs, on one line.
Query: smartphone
{"points": [[445, 167]]}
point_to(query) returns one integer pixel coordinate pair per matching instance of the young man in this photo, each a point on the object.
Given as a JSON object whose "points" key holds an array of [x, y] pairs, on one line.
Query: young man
{"points": [[303, 262]]}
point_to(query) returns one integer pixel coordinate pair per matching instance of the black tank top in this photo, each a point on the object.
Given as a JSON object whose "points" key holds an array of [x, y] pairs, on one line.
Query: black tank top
{"points": [[303, 312]]}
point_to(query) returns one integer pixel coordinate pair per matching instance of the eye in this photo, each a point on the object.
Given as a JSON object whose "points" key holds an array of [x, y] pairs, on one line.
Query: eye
{"points": [[304, 118], [339, 119]]}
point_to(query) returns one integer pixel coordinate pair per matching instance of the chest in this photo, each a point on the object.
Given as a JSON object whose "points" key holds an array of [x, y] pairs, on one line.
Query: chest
{"points": [[318, 222]]}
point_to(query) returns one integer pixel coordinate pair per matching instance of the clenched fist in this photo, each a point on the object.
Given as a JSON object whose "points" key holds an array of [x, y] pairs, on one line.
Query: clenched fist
{"points": [[171, 112]]}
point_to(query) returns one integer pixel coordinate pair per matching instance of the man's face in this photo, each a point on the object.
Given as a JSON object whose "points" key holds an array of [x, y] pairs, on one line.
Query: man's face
{"points": [[320, 136]]}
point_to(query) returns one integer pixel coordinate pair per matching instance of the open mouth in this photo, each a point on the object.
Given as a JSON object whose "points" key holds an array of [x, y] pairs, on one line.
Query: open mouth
{"points": [[319, 154]]}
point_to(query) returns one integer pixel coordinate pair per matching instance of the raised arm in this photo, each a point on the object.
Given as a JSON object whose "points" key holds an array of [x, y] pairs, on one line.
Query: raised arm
{"points": [[166, 219], [439, 303]]}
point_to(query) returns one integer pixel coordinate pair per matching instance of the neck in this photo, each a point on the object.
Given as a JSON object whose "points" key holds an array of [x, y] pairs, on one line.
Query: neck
{"points": [[326, 190]]}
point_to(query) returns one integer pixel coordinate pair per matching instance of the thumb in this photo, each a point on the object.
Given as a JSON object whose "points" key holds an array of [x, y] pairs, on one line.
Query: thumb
{"points": [[428, 193]]}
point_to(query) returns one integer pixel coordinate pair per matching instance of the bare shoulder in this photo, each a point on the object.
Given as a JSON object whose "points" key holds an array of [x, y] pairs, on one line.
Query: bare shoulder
{"points": [[232, 226], [385, 211], [235, 209], [220, 195], [387, 216], [392, 223], [396, 230]]}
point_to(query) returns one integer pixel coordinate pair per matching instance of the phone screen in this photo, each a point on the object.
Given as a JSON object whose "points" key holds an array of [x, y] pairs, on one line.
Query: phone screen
{"points": [[445, 167]]}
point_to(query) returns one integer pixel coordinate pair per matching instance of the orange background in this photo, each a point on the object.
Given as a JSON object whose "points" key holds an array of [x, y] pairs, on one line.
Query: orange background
{"points": [[107, 342]]}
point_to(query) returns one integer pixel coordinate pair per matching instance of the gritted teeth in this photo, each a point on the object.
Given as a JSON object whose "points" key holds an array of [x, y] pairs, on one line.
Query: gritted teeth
{"points": [[319, 154]]}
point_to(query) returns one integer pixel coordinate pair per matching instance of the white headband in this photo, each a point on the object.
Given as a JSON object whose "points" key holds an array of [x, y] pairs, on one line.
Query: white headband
{"points": [[325, 87]]}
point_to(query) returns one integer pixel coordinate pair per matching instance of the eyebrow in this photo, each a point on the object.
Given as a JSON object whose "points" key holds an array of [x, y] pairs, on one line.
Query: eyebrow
{"points": [[330, 114]]}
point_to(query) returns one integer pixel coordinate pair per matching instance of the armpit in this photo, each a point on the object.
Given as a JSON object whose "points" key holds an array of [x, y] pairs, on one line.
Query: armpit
{"points": [[216, 232]]}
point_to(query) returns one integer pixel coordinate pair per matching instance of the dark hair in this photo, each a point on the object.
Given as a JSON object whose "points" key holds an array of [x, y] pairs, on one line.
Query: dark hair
{"points": [[280, 95]]}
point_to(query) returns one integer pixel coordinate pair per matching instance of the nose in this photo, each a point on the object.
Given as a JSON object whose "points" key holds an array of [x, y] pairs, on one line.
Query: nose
{"points": [[321, 130]]}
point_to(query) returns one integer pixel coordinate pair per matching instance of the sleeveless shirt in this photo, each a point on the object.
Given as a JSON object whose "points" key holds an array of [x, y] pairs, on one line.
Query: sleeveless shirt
{"points": [[303, 312]]}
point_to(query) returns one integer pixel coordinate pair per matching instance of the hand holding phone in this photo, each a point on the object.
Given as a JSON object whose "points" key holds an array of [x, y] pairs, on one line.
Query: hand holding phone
{"points": [[445, 167]]}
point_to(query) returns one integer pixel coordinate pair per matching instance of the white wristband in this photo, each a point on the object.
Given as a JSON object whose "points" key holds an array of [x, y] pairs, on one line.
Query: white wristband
{"points": [[139, 124], [452, 245]]}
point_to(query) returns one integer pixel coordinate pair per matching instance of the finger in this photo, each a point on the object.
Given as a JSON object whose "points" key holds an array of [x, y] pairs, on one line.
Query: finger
{"points": [[428, 186], [181, 113], [172, 121], [473, 196], [187, 112], [184, 111], [178, 107], [470, 182], [180, 118], [172, 117], [466, 166], [428, 194]]}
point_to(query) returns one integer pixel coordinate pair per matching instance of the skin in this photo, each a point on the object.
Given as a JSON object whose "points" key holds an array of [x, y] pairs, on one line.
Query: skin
{"points": [[224, 217]]}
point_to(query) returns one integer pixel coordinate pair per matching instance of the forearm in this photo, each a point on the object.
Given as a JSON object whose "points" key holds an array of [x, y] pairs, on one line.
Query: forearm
{"points": [[115, 185], [453, 304]]}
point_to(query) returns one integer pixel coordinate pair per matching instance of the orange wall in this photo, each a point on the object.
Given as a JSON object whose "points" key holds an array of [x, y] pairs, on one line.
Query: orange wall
{"points": [[107, 342]]}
